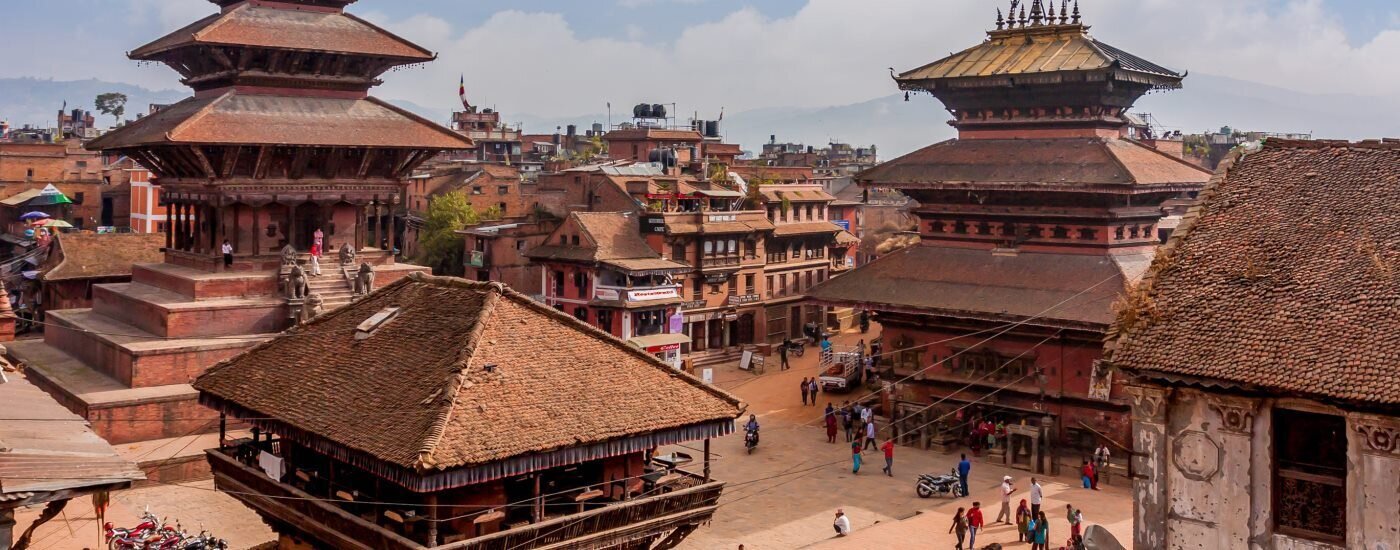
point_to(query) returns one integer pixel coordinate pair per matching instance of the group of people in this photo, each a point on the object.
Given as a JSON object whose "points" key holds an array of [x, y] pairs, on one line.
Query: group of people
{"points": [[1031, 524], [809, 389], [1089, 473], [983, 433]]}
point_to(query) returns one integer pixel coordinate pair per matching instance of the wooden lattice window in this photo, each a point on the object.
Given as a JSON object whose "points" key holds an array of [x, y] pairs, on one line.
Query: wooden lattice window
{"points": [[1310, 475]]}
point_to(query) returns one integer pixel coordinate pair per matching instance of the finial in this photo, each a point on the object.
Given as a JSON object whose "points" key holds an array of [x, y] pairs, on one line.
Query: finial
{"points": [[1037, 11], [1000, 22], [1022, 18], [1064, 11], [1051, 19], [1075, 18]]}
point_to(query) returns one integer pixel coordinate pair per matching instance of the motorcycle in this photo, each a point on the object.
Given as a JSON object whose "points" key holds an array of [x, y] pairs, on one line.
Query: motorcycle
{"points": [[943, 485], [796, 349], [750, 440], [152, 534]]}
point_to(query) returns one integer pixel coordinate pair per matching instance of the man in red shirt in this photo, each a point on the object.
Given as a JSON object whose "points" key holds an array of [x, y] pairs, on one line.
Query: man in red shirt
{"points": [[974, 524], [888, 447]]}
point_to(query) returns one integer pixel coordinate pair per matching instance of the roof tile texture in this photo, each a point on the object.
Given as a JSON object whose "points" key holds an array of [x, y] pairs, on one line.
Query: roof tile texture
{"points": [[289, 30], [418, 392], [92, 255], [1044, 162], [1286, 277]]}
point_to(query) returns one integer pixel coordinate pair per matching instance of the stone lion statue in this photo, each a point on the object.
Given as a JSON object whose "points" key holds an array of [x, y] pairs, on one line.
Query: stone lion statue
{"points": [[364, 279], [347, 254], [314, 306], [296, 283]]}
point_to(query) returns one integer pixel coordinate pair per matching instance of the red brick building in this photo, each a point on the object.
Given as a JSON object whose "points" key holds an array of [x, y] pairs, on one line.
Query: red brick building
{"points": [[1032, 222], [596, 267], [79, 261]]}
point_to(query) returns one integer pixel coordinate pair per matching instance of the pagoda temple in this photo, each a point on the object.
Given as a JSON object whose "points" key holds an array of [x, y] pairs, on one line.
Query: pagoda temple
{"points": [[280, 141], [1031, 222]]}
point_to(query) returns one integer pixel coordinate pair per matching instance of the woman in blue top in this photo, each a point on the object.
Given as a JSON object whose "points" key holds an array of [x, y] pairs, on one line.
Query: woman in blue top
{"points": [[1042, 532]]}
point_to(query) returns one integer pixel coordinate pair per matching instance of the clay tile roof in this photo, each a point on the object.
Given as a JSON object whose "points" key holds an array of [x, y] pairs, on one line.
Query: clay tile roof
{"points": [[1285, 277], [982, 285], [234, 118], [1039, 164], [1044, 50], [287, 29], [776, 193], [466, 374], [607, 237], [94, 255], [654, 133]]}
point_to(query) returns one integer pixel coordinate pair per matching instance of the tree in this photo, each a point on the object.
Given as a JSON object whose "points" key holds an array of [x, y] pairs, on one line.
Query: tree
{"points": [[112, 103], [439, 244]]}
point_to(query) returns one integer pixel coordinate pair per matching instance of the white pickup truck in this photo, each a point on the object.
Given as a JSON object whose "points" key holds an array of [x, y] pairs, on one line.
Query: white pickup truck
{"points": [[840, 368]]}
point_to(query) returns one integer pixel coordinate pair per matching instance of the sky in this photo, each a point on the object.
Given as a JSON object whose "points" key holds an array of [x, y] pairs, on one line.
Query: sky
{"points": [[571, 57]]}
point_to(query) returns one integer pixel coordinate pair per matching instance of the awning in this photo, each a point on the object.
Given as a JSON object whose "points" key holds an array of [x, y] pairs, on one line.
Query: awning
{"points": [[13, 239], [20, 197], [719, 193], [657, 340]]}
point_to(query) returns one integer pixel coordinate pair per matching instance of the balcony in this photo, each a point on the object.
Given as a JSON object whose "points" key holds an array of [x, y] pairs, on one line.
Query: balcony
{"points": [[719, 262], [637, 293], [678, 511]]}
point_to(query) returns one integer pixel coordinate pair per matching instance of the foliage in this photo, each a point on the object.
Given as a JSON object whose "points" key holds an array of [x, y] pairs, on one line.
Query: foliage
{"points": [[112, 103], [492, 214], [440, 247]]}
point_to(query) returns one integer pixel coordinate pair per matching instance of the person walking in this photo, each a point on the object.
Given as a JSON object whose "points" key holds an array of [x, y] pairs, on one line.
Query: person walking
{"points": [[782, 354], [855, 457], [1023, 520], [1086, 475], [964, 468], [870, 436], [830, 425], [842, 524], [803, 390], [1100, 463], [974, 524], [888, 447], [1074, 518], [848, 420], [1006, 489], [1042, 532], [227, 249], [959, 525], [1036, 497], [812, 389], [316, 257]]}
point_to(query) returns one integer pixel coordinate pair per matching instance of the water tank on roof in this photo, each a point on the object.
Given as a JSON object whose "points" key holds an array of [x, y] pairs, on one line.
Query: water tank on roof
{"points": [[712, 128], [597, 128], [663, 156], [642, 110], [571, 130], [658, 110]]}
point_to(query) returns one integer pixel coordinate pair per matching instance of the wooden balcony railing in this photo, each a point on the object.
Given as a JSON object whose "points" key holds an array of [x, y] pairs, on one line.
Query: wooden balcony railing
{"points": [[610, 526]]}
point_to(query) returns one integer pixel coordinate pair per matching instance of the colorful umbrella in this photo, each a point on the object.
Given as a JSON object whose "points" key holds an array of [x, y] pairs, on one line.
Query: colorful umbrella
{"points": [[49, 196], [57, 223], [34, 216]]}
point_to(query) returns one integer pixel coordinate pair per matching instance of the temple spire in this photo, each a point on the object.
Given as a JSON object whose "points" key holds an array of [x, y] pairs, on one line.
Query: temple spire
{"points": [[1022, 19], [1001, 23], [1037, 13], [1051, 19], [1064, 11], [1075, 18]]}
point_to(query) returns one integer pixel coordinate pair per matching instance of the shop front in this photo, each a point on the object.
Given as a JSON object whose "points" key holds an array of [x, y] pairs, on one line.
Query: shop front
{"points": [[666, 347]]}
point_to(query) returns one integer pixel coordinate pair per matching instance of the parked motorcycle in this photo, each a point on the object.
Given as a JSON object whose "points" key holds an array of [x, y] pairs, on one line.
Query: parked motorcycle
{"points": [[942, 485], [152, 534]]}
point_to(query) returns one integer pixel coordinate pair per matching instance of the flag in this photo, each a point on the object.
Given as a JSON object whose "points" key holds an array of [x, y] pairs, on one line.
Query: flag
{"points": [[462, 92], [721, 113]]}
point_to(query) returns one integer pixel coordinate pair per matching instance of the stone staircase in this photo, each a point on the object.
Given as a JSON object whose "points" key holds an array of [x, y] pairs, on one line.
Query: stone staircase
{"points": [[334, 287]]}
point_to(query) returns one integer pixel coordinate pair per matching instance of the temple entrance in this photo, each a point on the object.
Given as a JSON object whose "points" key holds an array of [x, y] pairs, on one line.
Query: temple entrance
{"points": [[307, 217]]}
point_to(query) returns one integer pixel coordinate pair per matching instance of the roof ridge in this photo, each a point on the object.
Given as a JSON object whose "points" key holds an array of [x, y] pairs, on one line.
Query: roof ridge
{"points": [[200, 114], [396, 37], [454, 385], [1165, 154], [435, 126]]}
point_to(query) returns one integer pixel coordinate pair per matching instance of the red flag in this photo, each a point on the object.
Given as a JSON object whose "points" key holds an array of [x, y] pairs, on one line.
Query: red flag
{"points": [[462, 92]]}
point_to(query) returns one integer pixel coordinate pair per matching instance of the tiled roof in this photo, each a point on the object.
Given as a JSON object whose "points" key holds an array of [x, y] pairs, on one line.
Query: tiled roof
{"points": [[648, 264], [1032, 51], [234, 118], [793, 193], [287, 29], [1043, 163], [466, 374], [984, 285], [95, 255], [804, 228], [1284, 277], [653, 133], [712, 148], [606, 236], [711, 228]]}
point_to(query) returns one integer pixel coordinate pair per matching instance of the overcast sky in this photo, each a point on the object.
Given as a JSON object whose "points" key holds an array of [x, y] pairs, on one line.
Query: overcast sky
{"points": [[567, 57]]}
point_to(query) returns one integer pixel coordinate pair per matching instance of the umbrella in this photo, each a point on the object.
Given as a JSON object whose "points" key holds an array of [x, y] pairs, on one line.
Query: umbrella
{"points": [[57, 223], [34, 215], [49, 196]]}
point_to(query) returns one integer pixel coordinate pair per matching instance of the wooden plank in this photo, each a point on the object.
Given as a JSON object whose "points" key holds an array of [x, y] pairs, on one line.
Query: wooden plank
{"points": [[203, 161]]}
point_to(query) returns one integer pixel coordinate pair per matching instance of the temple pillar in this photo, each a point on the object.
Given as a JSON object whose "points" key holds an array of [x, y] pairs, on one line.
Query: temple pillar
{"points": [[236, 237], [393, 231], [257, 231], [1148, 465], [169, 226], [359, 226], [189, 226]]}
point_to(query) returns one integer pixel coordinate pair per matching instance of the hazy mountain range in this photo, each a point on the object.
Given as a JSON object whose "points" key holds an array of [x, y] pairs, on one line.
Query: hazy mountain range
{"points": [[895, 126]]}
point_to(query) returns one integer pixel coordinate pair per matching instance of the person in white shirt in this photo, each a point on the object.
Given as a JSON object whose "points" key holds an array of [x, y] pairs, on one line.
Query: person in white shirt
{"points": [[227, 249], [1101, 462], [1035, 498], [842, 523], [1006, 489]]}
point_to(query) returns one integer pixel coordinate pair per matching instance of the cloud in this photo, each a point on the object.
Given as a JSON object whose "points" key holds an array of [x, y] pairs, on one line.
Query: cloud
{"points": [[829, 54]]}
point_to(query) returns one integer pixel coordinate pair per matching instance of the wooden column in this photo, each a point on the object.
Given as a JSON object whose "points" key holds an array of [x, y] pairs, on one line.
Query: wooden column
{"points": [[169, 226], [196, 227], [235, 239], [393, 231], [257, 231], [707, 460], [189, 226], [292, 224], [432, 520], [359, 226], [538, 509]]}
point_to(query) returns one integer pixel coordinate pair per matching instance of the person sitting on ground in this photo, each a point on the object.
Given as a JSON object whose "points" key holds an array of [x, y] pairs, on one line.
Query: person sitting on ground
{"points": [[842, 523]]}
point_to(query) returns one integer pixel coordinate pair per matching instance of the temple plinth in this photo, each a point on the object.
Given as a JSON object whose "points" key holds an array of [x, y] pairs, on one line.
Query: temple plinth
{"points": [[281, 139]]}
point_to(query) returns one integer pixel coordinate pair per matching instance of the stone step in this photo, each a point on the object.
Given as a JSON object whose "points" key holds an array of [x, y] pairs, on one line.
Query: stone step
{"points": [[134, 357], [168, 314]]}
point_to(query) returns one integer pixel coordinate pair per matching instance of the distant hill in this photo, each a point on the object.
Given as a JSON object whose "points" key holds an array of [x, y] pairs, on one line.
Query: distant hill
{"points": [[1206, 103], [36, 102]]}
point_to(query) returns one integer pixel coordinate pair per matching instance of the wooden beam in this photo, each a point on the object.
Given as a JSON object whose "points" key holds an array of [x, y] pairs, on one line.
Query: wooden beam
{"points": [[331, 168], [364, 163], [230, 160], [299, 160], [260, 165], [203, 161], [218, 54]]}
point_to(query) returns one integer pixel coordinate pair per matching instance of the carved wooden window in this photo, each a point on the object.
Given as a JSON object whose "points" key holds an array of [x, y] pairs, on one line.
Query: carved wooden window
{"points": [[1133, 231], [1118, 233], [1310, 469], [1087, 234], [1060, 232], [984, 228], [960, 227], [1035, 232], [935, 227]]}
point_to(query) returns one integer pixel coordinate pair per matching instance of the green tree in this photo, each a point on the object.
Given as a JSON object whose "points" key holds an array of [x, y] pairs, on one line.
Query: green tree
{"points": [[440, 247], [112, 103]]}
